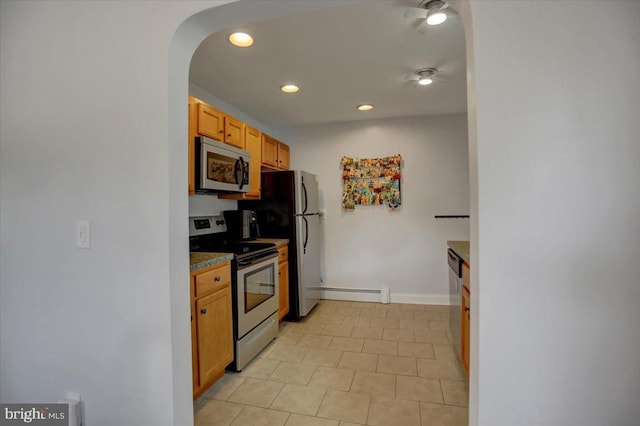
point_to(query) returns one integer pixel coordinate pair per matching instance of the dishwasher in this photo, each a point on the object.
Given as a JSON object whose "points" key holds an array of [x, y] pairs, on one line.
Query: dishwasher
{"points": [[455, 297]]}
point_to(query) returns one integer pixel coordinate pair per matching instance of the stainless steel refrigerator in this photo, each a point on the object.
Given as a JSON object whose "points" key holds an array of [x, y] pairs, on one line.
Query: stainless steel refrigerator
{"points": [[288, 208]]}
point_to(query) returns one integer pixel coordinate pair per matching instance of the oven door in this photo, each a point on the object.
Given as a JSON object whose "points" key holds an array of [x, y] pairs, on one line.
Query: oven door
{"points": [[220, 167], [257, 291]]}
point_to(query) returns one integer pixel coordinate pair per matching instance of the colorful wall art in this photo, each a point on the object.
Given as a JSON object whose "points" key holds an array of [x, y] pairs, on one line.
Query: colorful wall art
{"points": [[372, 181]]}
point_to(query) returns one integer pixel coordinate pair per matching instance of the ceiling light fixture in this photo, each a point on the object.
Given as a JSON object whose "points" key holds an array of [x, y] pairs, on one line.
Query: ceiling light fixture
{"points": [[365, 107], [424, 76], [289, 88], [241, 39], [432, 11]]}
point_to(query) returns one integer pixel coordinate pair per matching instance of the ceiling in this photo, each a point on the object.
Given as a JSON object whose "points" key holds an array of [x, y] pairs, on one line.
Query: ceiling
{"points": [[340, 57]]}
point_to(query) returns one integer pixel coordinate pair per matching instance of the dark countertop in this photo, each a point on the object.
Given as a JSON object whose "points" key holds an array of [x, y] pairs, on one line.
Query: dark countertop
{"points": [[462, 249], [203, 260], [279, 242]]}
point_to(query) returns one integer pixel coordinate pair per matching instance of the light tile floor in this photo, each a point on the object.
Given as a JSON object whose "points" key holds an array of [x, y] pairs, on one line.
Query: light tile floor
{"points": [[347, 363]]}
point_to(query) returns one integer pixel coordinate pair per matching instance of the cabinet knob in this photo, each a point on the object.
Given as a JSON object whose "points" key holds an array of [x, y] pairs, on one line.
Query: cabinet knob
{"points": [[466, 309], [228, 135], [216, 279], [203, 310]]}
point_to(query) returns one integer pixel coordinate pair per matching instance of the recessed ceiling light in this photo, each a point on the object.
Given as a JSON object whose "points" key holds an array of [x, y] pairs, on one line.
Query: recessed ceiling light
{"points": [[365, 107], [241, 39], [289, 88], [425, 81]]}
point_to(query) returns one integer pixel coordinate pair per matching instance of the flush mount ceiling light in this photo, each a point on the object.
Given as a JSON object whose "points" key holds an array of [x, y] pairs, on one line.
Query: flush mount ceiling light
{"points": [[432, 11], [365, 107], [289, 88], [423, 76], [241, 39]]}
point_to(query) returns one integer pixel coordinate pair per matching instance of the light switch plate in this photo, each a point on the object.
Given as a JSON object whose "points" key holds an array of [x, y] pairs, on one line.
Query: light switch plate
{"points": [[83, 234]]}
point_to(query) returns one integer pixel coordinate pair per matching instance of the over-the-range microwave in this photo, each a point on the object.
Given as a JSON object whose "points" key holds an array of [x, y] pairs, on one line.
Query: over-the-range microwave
{"points": [[220, 167]]}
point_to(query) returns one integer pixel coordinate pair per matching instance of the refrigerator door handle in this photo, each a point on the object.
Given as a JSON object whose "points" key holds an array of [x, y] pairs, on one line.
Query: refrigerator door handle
{"points": [[306, 235], [304, 193], [306, 202]]}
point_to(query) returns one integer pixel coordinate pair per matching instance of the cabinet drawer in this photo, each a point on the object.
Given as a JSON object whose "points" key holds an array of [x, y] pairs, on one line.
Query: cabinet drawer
{"points": [[283, 254], [466, 276], [210, 281]]}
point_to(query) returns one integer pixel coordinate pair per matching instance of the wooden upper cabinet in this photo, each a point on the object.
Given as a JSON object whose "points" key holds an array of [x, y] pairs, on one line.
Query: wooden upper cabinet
{"points": [[275, 154], [283, 156], [253, 144], [269, 151], [233, 131], [210, 122]]}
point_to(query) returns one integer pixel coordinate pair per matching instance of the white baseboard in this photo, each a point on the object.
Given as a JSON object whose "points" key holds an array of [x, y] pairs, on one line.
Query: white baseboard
{"points": [[374, 295], [420, 299]]}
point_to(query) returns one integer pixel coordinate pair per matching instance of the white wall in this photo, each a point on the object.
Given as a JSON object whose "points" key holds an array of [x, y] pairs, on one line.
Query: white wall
{"points": [[93, 125], [84, 135], [373, 246], [556, 334], [85, 110]]}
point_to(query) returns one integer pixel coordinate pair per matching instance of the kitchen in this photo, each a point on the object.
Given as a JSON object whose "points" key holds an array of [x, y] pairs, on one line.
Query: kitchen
{"points": [[93, 98], [372, 247]]}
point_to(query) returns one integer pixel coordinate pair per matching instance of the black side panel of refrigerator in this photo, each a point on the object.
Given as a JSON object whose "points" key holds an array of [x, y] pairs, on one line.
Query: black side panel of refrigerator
{"points": [[276, 219]]}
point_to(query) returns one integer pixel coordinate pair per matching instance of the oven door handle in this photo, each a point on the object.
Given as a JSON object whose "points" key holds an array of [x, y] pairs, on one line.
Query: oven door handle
{"points": [[248, 262]]}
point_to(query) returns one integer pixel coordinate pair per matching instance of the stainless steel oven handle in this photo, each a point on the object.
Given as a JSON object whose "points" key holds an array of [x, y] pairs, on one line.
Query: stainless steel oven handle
{"points": [[253, 261]]}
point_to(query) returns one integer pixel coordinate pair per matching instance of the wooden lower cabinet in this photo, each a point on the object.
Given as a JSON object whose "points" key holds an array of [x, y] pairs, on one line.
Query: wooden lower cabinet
{"points": [[283, 282], [465, 324], [212, 325]]}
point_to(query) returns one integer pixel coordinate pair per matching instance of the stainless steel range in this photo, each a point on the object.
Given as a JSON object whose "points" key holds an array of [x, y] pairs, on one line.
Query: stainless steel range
{"points": [[254, 280]]}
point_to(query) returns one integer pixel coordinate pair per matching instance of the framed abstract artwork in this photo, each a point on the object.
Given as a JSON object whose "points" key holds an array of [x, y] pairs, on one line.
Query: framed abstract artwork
{"points": [[371, 181]]}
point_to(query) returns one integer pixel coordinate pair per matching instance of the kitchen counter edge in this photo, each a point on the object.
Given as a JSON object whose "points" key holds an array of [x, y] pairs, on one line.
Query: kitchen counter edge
{"points": [[462, 249], [199, 261], [279, 242]]}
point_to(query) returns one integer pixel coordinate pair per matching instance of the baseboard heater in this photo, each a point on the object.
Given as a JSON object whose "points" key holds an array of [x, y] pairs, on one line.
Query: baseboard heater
{"points": [[383, 292]]}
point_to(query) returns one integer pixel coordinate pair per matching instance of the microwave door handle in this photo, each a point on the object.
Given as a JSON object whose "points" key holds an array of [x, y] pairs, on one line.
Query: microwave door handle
{"points": [[242, 172]]}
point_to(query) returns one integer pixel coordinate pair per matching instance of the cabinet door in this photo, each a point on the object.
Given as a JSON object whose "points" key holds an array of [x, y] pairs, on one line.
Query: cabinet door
{"points": [[194, 342], [210, 122], [465, 332], [283, 289], [233, 131], [269, 151], [466, 276], [215, 334], [283, 156], [193, 131], [253, 145]]}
